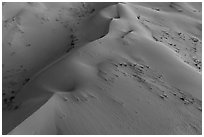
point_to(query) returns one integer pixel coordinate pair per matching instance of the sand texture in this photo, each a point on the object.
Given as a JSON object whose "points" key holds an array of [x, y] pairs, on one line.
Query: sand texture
{"points": [[102, 68]]}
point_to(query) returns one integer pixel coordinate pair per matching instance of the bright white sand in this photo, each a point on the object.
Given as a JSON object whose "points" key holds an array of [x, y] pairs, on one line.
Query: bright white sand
{"points": [[135, 68]]}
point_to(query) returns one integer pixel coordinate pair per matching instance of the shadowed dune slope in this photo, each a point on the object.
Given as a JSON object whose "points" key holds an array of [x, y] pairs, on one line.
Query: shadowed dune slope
{"points": [[125, 77]]}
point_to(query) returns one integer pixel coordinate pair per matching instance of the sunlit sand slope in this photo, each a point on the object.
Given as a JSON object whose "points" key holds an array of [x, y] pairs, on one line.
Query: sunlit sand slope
{"points": [[136, 70]]}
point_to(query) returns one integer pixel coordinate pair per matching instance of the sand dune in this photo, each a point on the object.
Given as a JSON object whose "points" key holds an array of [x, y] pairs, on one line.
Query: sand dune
{"points": [[102, 68]]}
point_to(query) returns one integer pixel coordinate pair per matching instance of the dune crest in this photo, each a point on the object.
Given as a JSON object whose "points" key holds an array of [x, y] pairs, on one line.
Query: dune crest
{"points": [[132, 72]]}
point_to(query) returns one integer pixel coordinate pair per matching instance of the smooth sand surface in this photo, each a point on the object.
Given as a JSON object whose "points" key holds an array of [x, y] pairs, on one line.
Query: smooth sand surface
{"points": [[102, 68]]}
